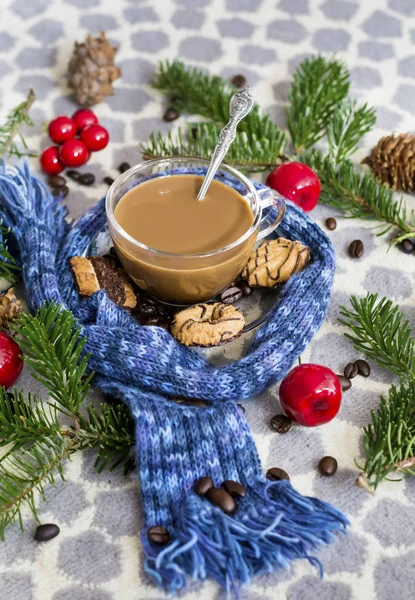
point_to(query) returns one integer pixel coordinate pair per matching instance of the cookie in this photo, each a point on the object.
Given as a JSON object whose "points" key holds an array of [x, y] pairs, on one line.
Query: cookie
{"points": [[274, 262], [101, 273], [208, 324]]}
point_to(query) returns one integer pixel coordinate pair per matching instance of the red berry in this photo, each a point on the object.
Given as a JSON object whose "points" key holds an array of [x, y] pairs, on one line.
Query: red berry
{"points": [[84, 117], [73, 153], [61, 129], [95, 137], [50, 161], [11, 364], [311, 394], [297, 182]]}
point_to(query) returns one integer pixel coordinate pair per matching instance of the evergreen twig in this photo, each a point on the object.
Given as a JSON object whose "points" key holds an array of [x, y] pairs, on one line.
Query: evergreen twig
{"points": [[348, 124], [8, 266], [358, 195], [379, 330], [34, 440], [19, 116], [319, 86]]}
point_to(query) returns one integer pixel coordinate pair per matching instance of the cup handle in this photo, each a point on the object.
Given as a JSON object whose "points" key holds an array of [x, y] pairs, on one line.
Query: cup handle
{"points": [[269, 223]]}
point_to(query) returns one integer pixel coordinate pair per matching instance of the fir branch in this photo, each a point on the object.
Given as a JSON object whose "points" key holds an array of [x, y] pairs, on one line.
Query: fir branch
{"points": [[390, 439], [193, 91], [379, 330], [19, 116], [348, 124], [53, 350], [319, 86], [25, 473], [8, 266], [247, 151], [359, 196]]}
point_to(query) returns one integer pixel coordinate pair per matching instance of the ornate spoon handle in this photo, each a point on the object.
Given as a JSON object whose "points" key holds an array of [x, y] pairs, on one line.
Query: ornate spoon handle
{"points": [[239, 106]]}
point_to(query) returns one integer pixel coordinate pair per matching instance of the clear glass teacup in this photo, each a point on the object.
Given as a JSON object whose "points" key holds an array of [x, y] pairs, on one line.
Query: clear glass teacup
{"points": [[184, 279]]}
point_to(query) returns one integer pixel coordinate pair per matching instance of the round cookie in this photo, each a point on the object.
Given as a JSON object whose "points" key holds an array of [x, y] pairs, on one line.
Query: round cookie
{"points": [[208, 324]]}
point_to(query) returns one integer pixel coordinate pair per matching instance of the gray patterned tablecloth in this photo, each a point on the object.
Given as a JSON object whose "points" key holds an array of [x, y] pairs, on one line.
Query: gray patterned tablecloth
{"points": [[97, 556]]}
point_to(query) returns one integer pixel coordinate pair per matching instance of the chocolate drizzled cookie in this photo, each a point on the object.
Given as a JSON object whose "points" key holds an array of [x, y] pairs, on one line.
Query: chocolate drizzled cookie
{"points": [[208, 324]]}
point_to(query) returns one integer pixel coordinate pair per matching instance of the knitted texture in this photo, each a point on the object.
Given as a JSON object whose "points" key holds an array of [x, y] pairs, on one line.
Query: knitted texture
{"points": [[177, 444]]}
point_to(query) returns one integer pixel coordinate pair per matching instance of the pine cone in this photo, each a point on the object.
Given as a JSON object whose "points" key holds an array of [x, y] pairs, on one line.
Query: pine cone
{"points": [[91, 70], [10, 307], [392, 160]]}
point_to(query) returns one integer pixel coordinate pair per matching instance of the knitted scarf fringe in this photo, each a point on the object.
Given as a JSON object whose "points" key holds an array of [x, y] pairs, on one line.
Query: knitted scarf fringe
{"points": [[232, 549]]}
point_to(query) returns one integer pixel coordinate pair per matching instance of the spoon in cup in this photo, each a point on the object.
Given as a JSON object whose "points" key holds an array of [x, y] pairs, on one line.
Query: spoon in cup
{"points": [[240, 105]]}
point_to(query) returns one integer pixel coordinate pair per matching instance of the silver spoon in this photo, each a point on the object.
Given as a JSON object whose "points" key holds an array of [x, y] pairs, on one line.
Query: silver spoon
{"points": [[239, 106]]}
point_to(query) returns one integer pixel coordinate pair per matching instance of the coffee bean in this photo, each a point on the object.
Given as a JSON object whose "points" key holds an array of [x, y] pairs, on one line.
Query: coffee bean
{"points": [[64, 191], [327, 466], [221, 498], [123, 167], [407, 246], [56, 181], [202, 485], [281, 423], [147, 310], [356, 249], [75, 175], [276, 474], [331, 223], [231, 295], [245, 288], [350, 370], [171, 114], [239, 81], [344, 382], [87, 179], [109, 180], [234, 488], [158, 535], [46, 532], [363, 367]]}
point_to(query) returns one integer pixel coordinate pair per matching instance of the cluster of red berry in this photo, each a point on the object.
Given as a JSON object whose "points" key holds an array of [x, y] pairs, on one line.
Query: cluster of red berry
{"points": [[73, 151]]}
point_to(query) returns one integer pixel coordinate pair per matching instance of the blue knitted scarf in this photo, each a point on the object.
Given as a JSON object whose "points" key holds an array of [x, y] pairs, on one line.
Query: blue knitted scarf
{"points": [[177, 444]]}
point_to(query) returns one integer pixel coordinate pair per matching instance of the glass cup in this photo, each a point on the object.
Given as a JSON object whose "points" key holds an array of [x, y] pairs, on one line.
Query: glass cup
{"points": [[183, 279]]}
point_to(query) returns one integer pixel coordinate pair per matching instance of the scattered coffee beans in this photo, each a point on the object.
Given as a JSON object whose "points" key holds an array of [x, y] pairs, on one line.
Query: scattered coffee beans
{"points": [[123, 167], [407, 246], [356, 249], [327, 466], [221, 498], [231, 295], [171, 115], [158, 535], [363, 367], [350, 370], [281, 423], [234, 488], [75, 175], [239, 81], [56, 181], [345, 383], [46, 532], [245, 288], [87, 179], [60, 190], [203, 485], [276, 474], [109, 180], [331, 223]]}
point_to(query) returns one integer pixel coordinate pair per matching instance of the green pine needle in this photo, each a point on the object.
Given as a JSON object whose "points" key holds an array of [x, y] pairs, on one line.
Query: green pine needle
{"points": [[358, 195], [247, 151], [319, 86], [348, 124], [8, 267], [11, 129], [378, 330]]}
